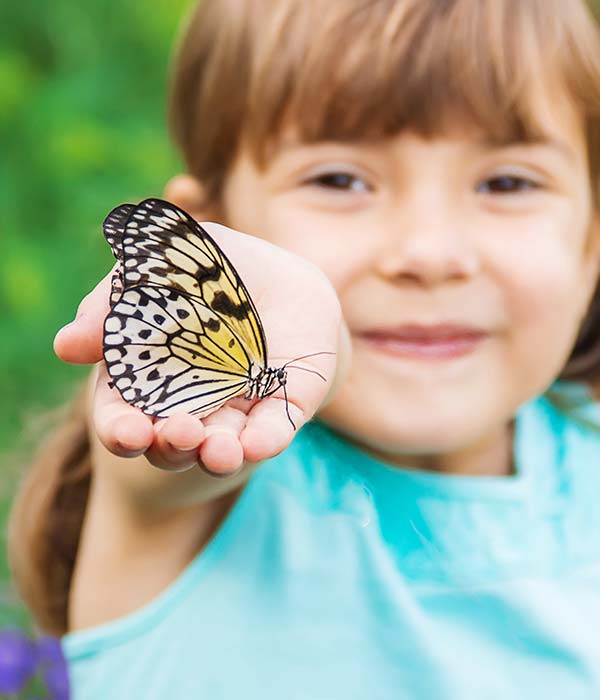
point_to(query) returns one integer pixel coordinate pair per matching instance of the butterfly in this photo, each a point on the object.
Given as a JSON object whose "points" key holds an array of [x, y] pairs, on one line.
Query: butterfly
{"points": [[182, 334]]}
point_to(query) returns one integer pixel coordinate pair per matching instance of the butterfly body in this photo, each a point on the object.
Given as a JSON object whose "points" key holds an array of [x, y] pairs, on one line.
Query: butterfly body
{"points": [[183, 334], [266, 382]]}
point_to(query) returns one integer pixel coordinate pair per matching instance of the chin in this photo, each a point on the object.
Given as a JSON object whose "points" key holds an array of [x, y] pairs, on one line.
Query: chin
{"points": [[405, 439], [411, 427]]}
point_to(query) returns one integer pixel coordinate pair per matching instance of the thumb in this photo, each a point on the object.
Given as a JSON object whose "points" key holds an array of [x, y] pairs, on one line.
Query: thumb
{"points": [[80, 342]]}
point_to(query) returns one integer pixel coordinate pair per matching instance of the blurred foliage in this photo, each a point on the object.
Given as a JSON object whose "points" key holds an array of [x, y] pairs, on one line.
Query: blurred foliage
{"points": [[82, 129]]}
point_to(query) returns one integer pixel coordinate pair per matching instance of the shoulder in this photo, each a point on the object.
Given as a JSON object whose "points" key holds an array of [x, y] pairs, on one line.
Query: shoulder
{"points": [[577, 429], [558, 435]]}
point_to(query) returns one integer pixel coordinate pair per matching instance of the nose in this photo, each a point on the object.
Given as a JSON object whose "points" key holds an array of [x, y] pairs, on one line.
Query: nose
{"points": [[427, 243]]}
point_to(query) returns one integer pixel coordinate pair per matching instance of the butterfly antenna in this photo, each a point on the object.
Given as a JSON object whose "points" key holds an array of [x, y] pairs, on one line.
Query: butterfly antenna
{"points": [[312, 371], [287, 408], [302, 357]]}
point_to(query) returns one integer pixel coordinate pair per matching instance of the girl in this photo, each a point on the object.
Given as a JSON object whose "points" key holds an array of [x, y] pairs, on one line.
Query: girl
{"points": [[434, 533]]}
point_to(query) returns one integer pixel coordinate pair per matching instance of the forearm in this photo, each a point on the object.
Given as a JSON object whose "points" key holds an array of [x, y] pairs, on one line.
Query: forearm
{"points": [[156, 490]]}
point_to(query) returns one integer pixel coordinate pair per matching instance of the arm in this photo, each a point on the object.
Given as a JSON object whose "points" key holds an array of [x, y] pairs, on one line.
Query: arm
{"points": [[151, 509]]}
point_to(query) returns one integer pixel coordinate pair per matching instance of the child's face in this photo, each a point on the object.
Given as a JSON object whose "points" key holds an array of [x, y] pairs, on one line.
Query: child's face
{"points": [[421, 233]]}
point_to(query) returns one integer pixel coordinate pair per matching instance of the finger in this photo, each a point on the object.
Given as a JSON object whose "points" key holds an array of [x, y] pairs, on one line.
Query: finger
{"points": [[176, 442], [123, 429], [309, 381], [221, 453], [80, 342], [268, 430]]}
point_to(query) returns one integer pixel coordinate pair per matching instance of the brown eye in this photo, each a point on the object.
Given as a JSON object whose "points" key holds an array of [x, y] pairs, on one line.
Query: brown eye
{"points": [[507, 184], [339, 181]]}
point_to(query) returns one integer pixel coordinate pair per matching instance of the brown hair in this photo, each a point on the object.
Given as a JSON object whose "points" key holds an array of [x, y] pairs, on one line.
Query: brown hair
{"points": [[359, 69], [47, 516]]}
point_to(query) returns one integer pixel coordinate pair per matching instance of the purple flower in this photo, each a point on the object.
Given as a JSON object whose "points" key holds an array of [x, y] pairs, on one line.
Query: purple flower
{"points": [[49, 650], [54, 667], [57, 682], [18, 658]]}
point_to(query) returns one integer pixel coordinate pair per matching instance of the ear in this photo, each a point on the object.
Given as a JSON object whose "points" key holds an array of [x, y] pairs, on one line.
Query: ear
{"points": [[188, 193]]}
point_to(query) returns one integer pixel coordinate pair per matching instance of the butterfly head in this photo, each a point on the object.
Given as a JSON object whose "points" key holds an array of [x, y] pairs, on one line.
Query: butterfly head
{"points": [[269, 380]]}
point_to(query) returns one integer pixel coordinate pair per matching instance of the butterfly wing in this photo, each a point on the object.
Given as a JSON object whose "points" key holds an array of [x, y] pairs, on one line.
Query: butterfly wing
{"points": [[183, 334], [167, 353], [163, 242], [113, 228]]}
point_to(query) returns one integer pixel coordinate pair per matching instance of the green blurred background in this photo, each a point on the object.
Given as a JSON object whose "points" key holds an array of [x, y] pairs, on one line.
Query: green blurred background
{"points": [[82, 129]]}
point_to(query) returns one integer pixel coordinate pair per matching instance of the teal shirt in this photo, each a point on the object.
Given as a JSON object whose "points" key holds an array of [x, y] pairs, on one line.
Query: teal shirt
{"points": [[338, 577]]}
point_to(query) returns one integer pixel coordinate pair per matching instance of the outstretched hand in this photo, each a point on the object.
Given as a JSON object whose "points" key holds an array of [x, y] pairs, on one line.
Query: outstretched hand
{"points": [[301, 315]]}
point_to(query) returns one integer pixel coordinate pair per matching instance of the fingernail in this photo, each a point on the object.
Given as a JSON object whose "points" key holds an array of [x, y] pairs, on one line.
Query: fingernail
{"points": [[219, 475], [219, 430], [124, 451], [183, 449]]}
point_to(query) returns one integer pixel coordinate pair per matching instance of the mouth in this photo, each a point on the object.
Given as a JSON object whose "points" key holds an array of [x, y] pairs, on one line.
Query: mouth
{"points": [[442, 341]]}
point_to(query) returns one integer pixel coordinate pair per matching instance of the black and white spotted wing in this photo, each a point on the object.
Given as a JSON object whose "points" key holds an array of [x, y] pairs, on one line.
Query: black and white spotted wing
{"points": [[183, 334], [113, 227]]}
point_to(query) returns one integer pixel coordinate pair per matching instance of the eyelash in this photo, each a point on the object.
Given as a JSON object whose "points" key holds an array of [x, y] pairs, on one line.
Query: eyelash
{"points": [[519, 184], [328, 181], [500, 185]]}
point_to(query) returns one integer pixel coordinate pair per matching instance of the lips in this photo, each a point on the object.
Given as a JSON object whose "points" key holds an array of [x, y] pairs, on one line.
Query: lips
{"points": [[426, 342]]}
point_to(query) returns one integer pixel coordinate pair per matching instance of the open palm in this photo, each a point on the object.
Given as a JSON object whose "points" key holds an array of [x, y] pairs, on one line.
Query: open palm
{"points": [[300, 315]]}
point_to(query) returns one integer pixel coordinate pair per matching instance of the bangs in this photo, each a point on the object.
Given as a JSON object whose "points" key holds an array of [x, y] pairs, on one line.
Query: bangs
{"points": [[358, 70], [367, 70]]}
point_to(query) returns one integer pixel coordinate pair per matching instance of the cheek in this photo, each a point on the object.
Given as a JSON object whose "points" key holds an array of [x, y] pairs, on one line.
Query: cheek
{"points": [[339, 246], [328, 244], [544, 298]]}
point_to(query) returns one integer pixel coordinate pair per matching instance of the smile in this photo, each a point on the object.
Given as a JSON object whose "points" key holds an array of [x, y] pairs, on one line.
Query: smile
{"points": [[442, 342]]}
